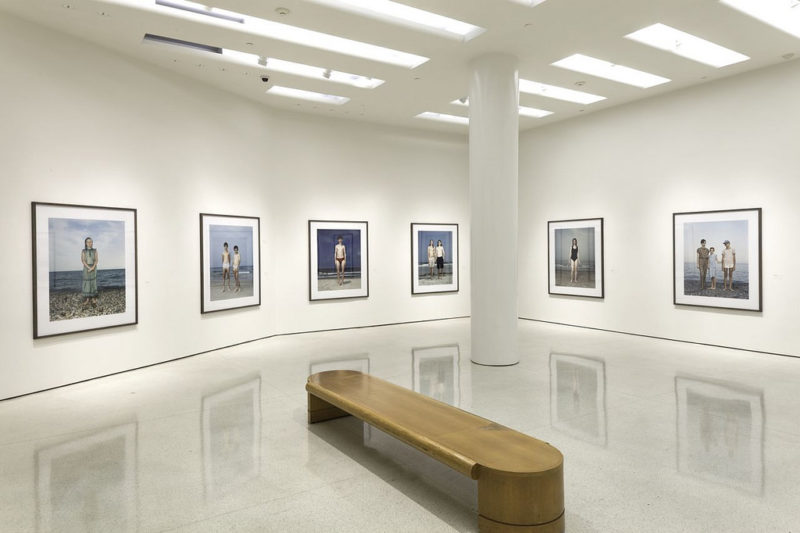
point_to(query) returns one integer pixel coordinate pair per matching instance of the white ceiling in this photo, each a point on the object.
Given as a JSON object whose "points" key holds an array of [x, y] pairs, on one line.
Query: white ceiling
{"points": [[538, 36]]}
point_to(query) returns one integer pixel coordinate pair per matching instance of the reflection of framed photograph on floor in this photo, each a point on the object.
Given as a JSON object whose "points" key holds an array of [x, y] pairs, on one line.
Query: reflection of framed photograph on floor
{"points": [[231, 437], [721, 433], [358, 363], [89, 484], [578, 397], [436, 373], [230, 262], [575, 257], [338, 260], [717, 259], [84, 268], [434, 258]]}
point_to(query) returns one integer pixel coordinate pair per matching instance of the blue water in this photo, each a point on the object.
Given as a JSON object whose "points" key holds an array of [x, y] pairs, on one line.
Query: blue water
{"points": [[72, 280], [245, 273], [741, 273]]}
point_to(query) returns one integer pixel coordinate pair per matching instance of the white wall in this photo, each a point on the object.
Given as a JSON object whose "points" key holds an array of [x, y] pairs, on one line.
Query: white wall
{"points": [[86, 126], [724, 145]]}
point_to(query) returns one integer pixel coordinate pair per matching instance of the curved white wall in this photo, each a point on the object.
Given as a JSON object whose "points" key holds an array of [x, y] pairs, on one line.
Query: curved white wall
{"points": [[724, 145], [87, 126]]}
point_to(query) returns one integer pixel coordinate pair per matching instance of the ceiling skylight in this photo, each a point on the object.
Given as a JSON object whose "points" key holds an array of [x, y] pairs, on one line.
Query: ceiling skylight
{"points": [[610, 71], [781, 14], [524, 111], [559, 93], [443, 117], [686, 45], [291, 34], [530, 3], [272, 64], [397, 13], [307, 95]]}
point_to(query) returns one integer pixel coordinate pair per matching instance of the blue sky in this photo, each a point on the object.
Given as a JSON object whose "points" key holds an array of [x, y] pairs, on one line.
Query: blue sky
{"points": [[715, 233], [241, 236], [66, 242]]}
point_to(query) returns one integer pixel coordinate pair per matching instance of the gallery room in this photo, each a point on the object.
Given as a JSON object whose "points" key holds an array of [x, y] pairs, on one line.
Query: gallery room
{"points": [[414, 265]]}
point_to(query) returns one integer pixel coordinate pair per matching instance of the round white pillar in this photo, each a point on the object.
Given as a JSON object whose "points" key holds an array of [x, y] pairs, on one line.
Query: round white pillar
{"points": [[493, 184]]}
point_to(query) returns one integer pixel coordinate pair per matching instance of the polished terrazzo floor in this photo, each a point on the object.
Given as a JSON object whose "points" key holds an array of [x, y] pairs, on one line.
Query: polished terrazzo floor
{"points": [[657, 436]]}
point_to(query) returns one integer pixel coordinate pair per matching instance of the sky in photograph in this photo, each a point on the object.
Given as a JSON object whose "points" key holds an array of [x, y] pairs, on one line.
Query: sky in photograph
{"points": [[715, 233], [66, 242], [241, 236]]}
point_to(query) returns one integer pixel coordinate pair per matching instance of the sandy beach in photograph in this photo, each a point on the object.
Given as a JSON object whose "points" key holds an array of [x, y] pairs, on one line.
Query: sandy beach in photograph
{"points": [[66, 305], [741, 290], [446, 279], [585, 279], [246, 287], [329, 284]]}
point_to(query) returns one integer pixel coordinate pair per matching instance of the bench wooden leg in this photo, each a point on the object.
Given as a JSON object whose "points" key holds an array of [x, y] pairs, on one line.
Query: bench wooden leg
{"points": [[319, 410], [509, 502]]}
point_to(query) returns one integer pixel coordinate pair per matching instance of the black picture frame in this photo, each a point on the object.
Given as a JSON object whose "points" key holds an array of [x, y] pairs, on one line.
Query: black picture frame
{"points": [[327, 292], [707, 224], [252, 296], [555, 284], [416, 286], [54, 310]]}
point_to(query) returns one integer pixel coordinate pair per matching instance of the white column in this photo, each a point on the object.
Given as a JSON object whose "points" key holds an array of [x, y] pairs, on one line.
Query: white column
{"points": [[493, 180]]}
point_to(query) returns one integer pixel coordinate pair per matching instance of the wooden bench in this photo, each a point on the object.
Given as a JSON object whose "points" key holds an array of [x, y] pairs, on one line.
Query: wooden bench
{"points": [[520, 479]]}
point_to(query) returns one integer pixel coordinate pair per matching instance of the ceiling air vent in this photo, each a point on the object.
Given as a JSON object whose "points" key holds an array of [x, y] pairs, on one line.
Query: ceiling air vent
{"points": [[149, 37]]}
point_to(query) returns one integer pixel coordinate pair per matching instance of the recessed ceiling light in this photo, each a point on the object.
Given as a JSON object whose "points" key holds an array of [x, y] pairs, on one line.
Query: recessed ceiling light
{"points": [[443, 117], [559, 93], [530, 3], [307, 95], [523, 110], [273, 64], [292, 34], [781, 14], [686, 45], [610, 71], [396, 12]]}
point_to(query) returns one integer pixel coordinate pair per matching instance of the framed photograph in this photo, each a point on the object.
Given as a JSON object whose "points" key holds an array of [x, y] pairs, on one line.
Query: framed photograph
{"points": [[230, 262], [575, 257], [338, 260], [717, 259], [578, 397], [359, 363], [435, 373], [84, 268], [434, 258], [89, 484], [721, 433], [231, 426]]}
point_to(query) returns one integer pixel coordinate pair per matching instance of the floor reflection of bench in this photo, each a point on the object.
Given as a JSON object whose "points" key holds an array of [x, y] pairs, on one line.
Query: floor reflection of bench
{"points": [[520, 479]]}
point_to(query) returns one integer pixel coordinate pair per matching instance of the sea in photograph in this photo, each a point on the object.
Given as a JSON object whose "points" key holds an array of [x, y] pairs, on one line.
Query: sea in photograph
{"points": [[67, 301], [586, 277], [228, 291], [424, 275], [741, 282]]}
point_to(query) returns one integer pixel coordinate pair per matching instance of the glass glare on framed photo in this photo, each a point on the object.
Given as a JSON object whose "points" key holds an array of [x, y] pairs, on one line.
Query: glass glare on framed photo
{"points": [[434, 258], [338, 260], [230, 262], [717, 259], [575, 257], [84, 268]]}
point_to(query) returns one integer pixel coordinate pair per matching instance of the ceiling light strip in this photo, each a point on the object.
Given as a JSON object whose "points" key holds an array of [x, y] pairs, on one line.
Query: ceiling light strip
{"points": [[610, 71], [395, 12], [444, 117], [559, 93], [312, 96], [781, 14], [686, 45], [290, 34]]}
